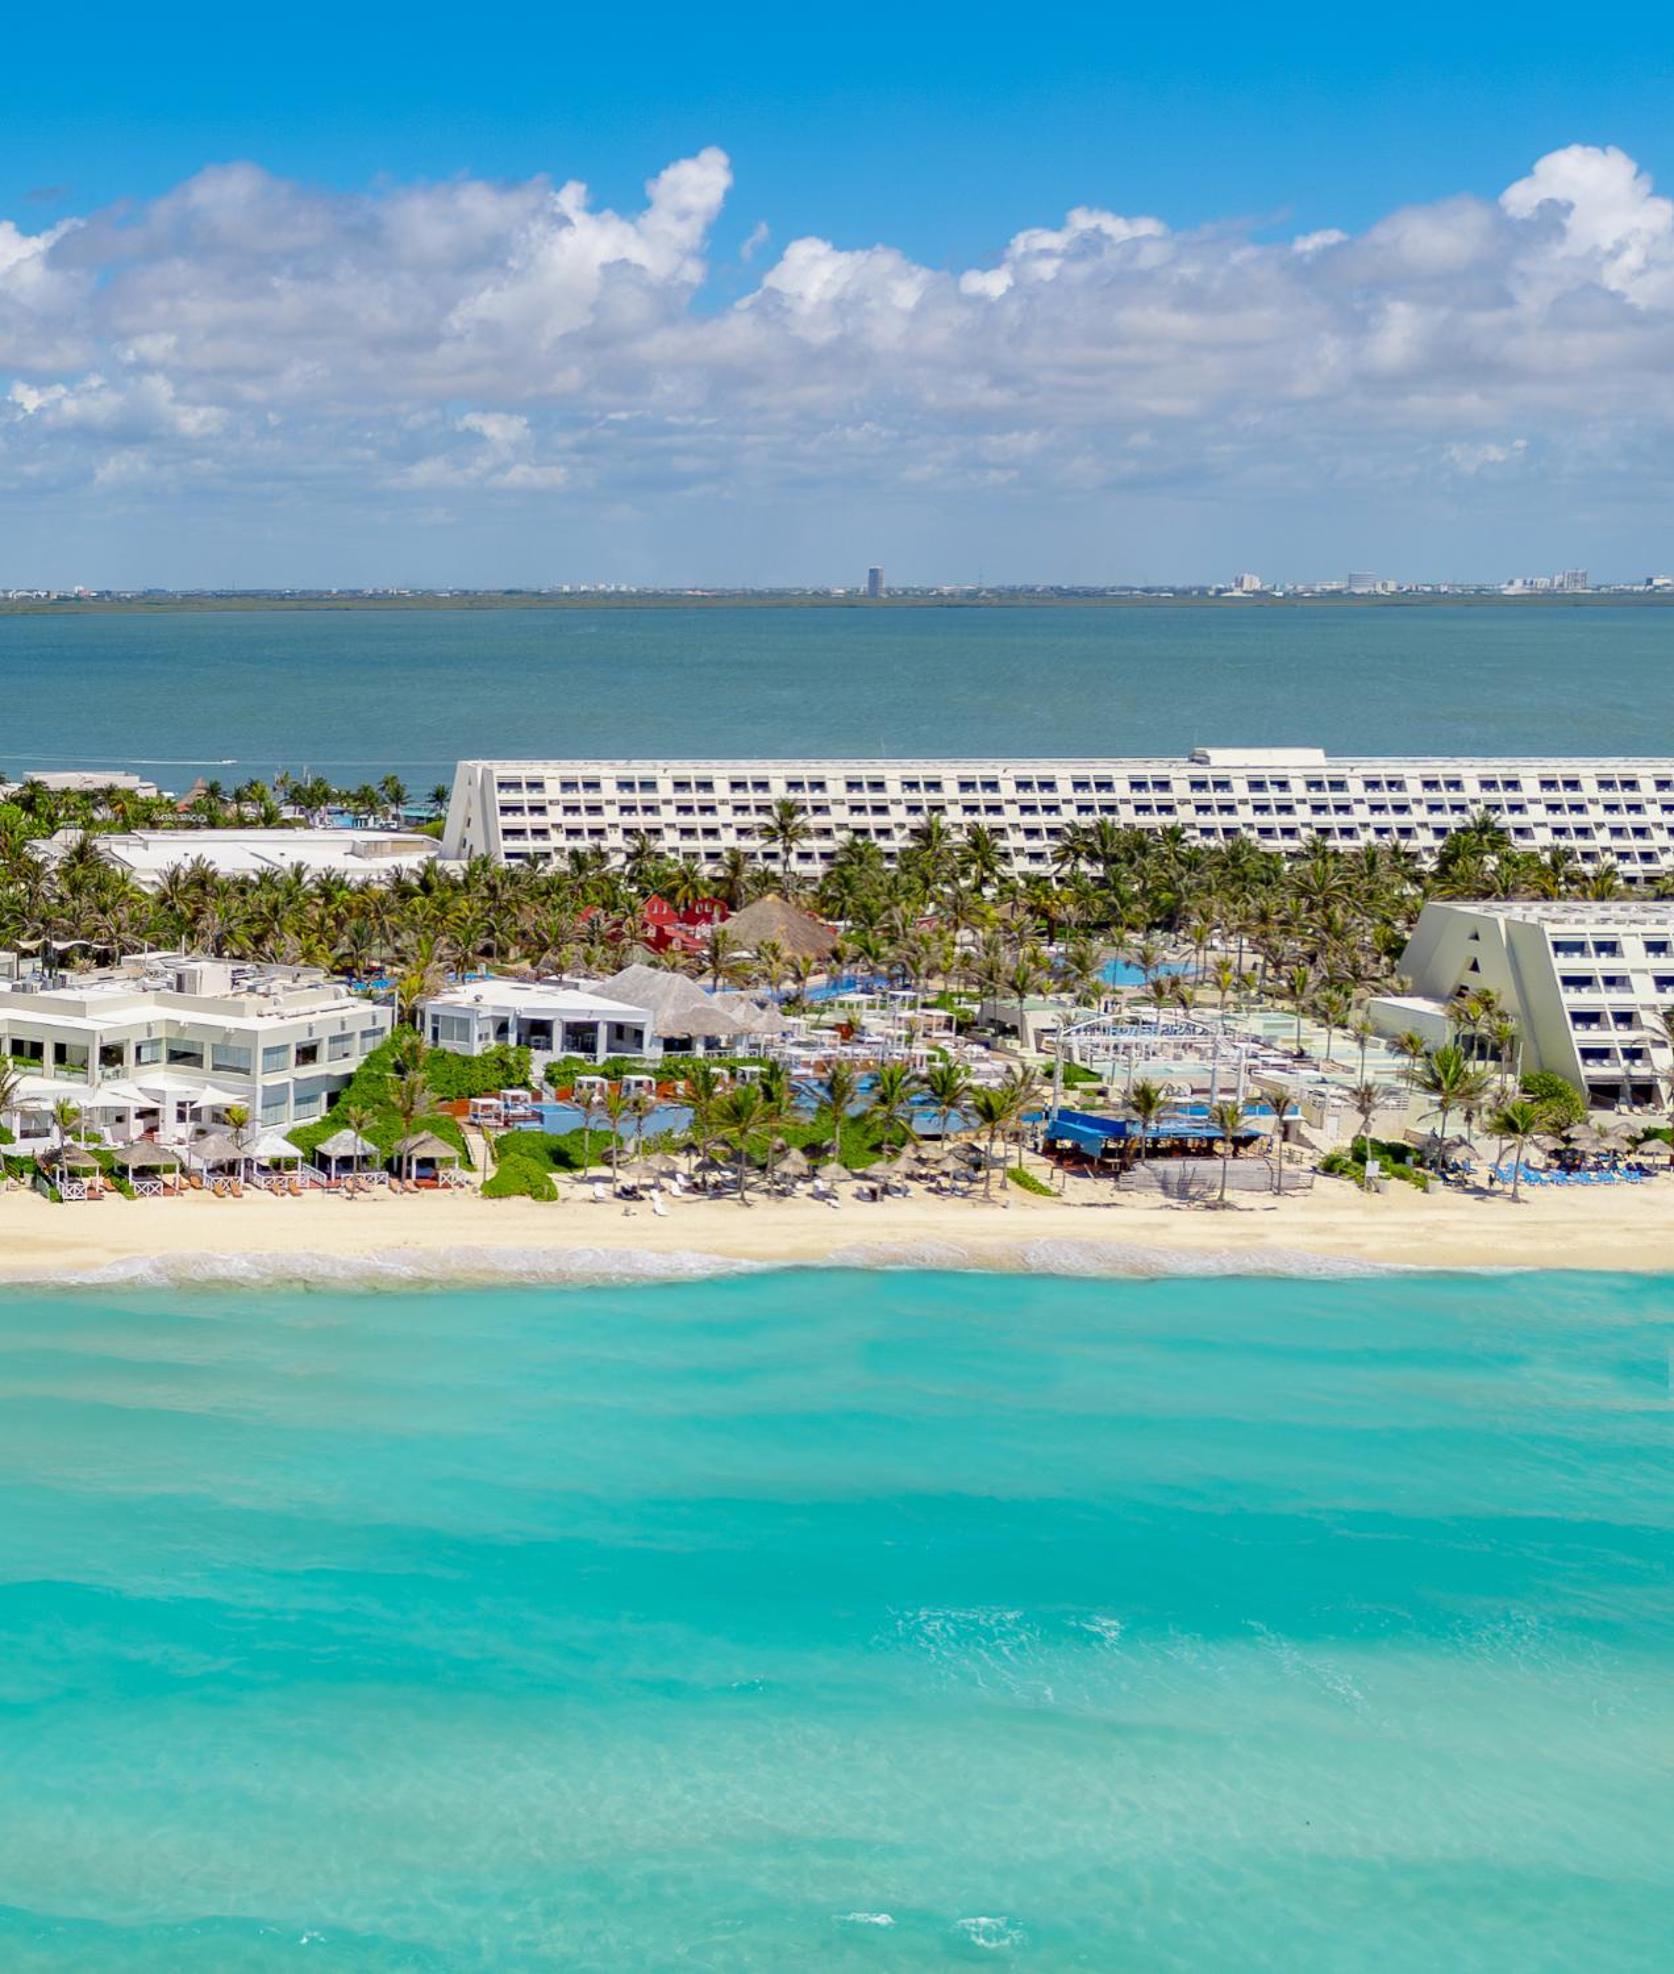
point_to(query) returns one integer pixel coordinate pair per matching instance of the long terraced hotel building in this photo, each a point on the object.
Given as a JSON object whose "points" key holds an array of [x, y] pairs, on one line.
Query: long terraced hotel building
{"points": [[1617, 811]]}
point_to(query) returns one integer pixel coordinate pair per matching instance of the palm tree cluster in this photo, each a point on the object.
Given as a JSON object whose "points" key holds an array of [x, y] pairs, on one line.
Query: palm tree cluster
{"points": [[1320, 929], [757, 1122]]}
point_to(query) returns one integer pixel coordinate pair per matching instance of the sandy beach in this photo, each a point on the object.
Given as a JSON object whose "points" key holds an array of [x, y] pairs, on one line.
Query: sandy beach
{"points": [[459, 1235]]}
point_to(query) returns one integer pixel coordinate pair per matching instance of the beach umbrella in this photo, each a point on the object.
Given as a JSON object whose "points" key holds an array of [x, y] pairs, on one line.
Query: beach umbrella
{"points": [[794, 1164], [831, 1173]]}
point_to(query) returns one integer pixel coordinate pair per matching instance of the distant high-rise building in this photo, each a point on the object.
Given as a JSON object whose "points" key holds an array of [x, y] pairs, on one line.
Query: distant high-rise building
{"points": [[1570, 579], [874, 582], [1361, 582], [1248, 584]]}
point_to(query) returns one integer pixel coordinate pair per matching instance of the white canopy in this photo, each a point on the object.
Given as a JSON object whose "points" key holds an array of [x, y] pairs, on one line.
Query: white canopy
{"points": [[347, 1144], [159, 1086], [35, 1091], [274, 1144]]}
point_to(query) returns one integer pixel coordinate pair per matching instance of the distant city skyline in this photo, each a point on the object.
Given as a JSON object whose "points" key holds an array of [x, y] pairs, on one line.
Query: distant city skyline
{"points": [[1127, 317]]}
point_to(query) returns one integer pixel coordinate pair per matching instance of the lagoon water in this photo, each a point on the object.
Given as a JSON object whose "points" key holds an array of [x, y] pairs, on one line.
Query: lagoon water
{"points": [[353, 694], [842, 1620]]}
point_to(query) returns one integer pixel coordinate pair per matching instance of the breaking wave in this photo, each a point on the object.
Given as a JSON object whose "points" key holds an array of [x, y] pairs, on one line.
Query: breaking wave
{"points": [[410, 1267]]}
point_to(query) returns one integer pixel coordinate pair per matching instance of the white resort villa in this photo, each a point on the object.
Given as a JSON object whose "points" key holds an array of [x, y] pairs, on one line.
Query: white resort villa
{"points": [[1584, 981], [643, 1011], [163, 1043], [1620, 811]]}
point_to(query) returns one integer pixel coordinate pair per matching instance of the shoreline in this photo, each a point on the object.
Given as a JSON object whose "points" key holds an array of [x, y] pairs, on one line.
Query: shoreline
{"points": [[455, 1239]]}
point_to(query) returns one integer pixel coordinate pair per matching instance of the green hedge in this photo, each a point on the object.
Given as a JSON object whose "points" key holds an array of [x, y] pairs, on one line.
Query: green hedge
{"points": [[550, 1151], [519, 1178], [1029, 1182], [1561, 1103], [370, 1085], [1341, 1165], [502, 1067], [565, 1069]]}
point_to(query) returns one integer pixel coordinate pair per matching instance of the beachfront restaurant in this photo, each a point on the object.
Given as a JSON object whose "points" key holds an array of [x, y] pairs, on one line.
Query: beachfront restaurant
{"points": [[1185, 1130]]}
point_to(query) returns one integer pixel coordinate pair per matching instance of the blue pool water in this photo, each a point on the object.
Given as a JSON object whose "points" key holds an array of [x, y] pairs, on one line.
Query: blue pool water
{"points": [[839, 1620], [664, 1119]]}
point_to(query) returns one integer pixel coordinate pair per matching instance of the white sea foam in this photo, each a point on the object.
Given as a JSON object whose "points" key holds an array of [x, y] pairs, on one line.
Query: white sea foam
{"points": [[865, 1919], [413, 1267], [994, 1934], [397, 1268]]}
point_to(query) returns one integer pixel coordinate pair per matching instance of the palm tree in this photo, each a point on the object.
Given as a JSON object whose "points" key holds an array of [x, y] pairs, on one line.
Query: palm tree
{"points": [[948, 1085], [356, 1117], [776, 1110], [785, 828], [1000, 1110], [741, 1116], [1366, 1100], [11, 1081], [1448, 1075], [1412, 1048], [1229, 1117], [842, 1087], [991, 1111], [410, 1098], [66, 1116], [1146, 1102], [1334, 1006], [238, 1128], [615, 1109], [1299, 982], [892, 1096], [1517, 1122]]}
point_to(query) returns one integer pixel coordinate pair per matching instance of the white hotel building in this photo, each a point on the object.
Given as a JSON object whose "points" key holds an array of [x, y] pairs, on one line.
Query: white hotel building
{"points": [[163, 1042], [1618, 811], [1585, 982]]}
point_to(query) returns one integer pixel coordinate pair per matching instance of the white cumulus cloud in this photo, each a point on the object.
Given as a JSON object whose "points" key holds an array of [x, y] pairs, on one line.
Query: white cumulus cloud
{"points": [[470, 339]]}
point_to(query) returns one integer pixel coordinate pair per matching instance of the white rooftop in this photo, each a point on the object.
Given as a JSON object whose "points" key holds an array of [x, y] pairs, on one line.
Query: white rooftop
{"points": [[1571, 911], [357, 854], [534, 997]]}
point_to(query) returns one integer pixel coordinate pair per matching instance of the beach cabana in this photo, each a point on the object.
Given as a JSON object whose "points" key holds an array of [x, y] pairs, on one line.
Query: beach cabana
{"points": [[68, 1167], [144, 1164], [420, 1149], [219, 1148], [345, 1148]]}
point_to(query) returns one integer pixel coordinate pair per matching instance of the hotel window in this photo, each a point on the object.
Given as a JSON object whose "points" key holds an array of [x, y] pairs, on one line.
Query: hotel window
{"points": [[307, 1054], [183, 1050], [144, 1052], [233, 1056]]}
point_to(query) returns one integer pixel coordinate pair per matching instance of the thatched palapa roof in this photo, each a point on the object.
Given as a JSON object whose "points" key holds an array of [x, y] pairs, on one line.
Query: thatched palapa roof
{"points": [[771, 918], [676, 1005]]}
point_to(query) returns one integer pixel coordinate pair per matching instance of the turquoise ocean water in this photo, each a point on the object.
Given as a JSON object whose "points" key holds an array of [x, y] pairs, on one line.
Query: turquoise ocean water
{"points": [[354, 693], [839, 1620]]}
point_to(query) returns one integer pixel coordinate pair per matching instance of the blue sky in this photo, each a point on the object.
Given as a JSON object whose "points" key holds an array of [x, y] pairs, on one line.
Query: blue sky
{"points": [[189, 403]]}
